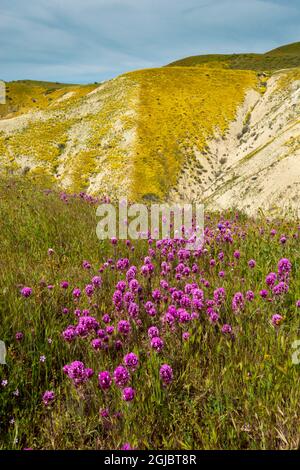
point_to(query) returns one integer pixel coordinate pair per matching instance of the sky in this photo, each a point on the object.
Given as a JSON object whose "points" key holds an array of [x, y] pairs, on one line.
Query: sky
{"points": [[82, 41]]}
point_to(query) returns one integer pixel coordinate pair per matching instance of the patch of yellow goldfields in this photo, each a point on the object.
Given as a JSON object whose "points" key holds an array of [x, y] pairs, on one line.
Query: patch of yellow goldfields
{"points": [[180, 108]]}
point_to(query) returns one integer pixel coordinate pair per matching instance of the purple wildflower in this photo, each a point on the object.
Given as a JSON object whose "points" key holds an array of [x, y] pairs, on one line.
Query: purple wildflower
{"points": [[48, 397], [26, 291], [124, 327], [166, 374], [131, 361], [104, 380], [226, 329], [157, 343], [19, 336], [128, 394], [238, 302], [121, 376], [276, 319]]}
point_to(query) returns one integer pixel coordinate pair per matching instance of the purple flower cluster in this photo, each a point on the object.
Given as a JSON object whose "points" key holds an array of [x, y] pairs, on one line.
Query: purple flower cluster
{"points": [[166, 374], [48, 397], [77, 372]]}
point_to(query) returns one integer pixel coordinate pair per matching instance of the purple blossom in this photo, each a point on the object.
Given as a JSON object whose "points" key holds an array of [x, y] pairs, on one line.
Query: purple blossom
{"points": [[121, 286], [264, 293], [238, 302], [121, 376], [249, 295], [86, 325], [124, 327], [96, 281], [131, 361], [64, 284], [166, 374], [284, 268], [213, 316], [280, 288], [252, 263], [77, 372], [19, 336], [118, 299], [128, 394], [276, 319], [150, 308], [133, 310], [184, 316], [219, 295], [89, 290], [110, 329], [186, 335], [86, 264], [157, 343], [26, 291], [104, 380], [271, 279], [96, 344], [76, 293], [126, 446], [226, 329], [106, 318], [48, 397], [153, 331]]}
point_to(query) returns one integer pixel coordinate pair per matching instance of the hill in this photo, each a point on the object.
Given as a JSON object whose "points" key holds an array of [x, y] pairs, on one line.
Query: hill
{"points": [[218, 129], [142, 124], [281, 58]]}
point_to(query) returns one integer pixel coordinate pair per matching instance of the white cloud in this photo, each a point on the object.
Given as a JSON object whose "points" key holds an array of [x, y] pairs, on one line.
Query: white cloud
{"points": [[78, 40]]}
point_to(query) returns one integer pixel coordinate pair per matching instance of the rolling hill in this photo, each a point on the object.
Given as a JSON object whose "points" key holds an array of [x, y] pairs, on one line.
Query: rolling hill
{"points": [[281, 58], [219, 129]]}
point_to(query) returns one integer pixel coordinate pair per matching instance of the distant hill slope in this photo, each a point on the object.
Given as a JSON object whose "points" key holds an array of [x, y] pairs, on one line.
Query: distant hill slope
{"points": [[207, 132], [139, 127], [281, 58], [25, 95]]}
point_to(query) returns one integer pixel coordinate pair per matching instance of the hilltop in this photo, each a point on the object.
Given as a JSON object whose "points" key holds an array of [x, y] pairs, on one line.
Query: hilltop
{"points": [[283, 57], [219, 129]]}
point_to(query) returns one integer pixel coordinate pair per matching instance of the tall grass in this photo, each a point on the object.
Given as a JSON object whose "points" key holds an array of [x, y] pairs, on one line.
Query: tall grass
{"points": [[228, 392]]}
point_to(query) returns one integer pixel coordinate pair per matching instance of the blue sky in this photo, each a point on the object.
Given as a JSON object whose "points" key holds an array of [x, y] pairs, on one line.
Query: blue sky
{"points": [[83, 41]]}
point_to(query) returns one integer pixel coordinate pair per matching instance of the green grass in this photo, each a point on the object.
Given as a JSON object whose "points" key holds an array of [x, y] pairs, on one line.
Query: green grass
{"points": [[225, 395], [281, 58]]}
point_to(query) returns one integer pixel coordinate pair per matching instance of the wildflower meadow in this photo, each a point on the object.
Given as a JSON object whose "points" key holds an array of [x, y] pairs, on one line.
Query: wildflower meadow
{"points": [[122, 344]]}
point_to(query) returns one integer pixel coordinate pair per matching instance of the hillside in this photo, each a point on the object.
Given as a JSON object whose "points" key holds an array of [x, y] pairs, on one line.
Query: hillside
{"points": [[199, 129], [142, 125], [281, 58], [256, 164]]}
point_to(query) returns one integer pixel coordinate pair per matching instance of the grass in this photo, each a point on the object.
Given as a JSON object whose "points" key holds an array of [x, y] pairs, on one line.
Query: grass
{"points": [[226, 394]]}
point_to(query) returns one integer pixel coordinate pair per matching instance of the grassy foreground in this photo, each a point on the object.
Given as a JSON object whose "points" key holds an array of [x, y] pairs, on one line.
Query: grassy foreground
{"points": [[231, 382]]}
